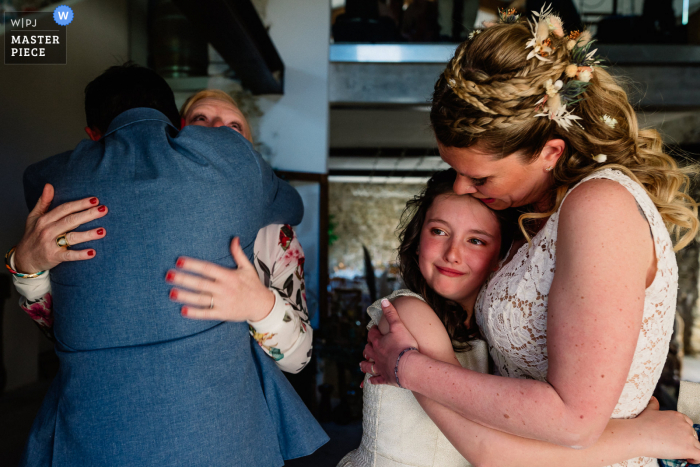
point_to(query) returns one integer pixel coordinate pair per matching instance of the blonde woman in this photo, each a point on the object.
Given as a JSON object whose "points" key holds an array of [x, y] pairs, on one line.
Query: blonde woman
{"points": [[579, 318]]}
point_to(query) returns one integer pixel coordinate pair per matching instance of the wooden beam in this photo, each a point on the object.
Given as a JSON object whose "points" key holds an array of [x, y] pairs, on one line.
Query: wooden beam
{"points": [[236, 31]]}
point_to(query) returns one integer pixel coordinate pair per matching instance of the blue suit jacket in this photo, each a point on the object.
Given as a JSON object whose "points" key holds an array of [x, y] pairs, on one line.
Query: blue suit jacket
{"points": [[139, 384]]}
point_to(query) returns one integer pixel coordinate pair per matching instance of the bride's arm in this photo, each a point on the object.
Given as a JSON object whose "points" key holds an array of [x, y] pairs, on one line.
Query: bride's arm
{"points": [[652, 434], [596, 302]]}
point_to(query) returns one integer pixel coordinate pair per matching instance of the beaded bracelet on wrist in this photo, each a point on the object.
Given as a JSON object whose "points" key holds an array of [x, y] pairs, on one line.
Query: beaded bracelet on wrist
{"points": [[8, 255], [396, 367]]}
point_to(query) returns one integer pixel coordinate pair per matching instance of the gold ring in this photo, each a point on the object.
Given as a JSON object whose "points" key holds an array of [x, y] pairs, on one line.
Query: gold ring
{"points": [[211, 303], [62, 241]]}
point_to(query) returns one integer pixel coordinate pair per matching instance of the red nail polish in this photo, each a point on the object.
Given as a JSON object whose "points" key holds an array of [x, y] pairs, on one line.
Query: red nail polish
{"points": [[102, 208], [169, 277], [91, 252], [100, 231], [93, 200], [180, 262], [173, 294], [184, 311]]}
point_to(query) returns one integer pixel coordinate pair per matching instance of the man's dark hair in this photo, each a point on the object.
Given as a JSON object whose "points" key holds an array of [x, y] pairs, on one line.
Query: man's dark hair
{"points": [[125, 87]]}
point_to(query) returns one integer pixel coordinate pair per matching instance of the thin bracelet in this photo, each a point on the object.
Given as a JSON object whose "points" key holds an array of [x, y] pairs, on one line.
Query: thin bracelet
{"points": [[8, 255], [396, 368]]}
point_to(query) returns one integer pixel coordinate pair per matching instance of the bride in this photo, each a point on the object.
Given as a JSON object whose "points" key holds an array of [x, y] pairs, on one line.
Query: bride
{"points": [[449, 245], [578, 320]]}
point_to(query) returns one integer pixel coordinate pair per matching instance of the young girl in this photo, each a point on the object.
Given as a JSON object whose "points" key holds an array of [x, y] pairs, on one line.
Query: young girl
{"points": [[450, 244]]}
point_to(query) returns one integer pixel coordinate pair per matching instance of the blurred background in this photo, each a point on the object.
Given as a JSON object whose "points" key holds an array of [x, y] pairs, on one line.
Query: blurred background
{"points": [[337, 93]]}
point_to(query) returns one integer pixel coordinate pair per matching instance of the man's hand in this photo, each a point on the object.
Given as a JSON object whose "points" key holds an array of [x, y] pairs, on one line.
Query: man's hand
{"points": [[219, 293], [382, 351], [38, 250]]}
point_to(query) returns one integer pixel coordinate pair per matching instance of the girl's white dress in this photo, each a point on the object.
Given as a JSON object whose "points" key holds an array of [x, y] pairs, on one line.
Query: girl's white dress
{"points": [[512, 310], [396, 430]]}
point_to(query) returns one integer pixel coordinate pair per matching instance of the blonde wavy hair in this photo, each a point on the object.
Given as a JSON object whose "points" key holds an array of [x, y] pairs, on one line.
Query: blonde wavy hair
{"points": [[206, 94], [488, 95]]}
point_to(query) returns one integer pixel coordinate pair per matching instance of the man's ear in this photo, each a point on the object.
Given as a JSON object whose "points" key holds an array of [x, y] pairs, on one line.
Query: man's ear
{"points": [[93, 133]]}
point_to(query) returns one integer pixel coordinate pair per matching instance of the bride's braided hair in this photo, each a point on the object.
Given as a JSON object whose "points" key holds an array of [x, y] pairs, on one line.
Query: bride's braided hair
{"points": [[489, 95]]}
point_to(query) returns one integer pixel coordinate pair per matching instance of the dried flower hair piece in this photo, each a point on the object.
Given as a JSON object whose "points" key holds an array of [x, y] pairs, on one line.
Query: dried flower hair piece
{"points": [[609, 121], [558, 97], [474, 33], [509, 16], [543, 23]]}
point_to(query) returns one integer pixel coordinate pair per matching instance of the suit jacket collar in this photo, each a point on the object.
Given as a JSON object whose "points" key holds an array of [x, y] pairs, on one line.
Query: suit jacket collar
{"points": [[136, 115]]}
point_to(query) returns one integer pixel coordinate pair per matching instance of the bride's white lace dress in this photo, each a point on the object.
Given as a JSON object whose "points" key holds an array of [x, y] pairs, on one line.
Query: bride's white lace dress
{"points": [[512, 311], [396, 430]]}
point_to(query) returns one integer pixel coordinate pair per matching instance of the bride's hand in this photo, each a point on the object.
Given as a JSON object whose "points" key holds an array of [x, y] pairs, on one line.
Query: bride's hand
{"points": [[220, 293], [382, 351], [668, 434]]}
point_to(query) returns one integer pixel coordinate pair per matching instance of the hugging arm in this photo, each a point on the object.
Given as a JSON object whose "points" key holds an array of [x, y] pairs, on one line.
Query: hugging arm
{"points": [[595, 308], [653, 433], [272, 299], [286, 323]]}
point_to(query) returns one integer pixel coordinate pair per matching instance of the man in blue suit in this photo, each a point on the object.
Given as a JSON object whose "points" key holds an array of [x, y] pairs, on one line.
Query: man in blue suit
{"points": [[138, 384]]}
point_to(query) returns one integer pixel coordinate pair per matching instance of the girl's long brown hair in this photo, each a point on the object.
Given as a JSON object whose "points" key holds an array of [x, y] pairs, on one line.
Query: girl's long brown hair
{"points": [[453, 316]]}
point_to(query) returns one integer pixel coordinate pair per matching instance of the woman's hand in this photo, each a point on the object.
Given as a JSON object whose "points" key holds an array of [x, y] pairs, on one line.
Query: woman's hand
{"points": [[668, 434], [220, 293], [38, 250], [382, 351]]}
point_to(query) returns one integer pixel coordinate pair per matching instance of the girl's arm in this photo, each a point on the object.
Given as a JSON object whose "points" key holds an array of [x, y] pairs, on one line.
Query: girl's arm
{"points": [[653, 434], [596, 301]]}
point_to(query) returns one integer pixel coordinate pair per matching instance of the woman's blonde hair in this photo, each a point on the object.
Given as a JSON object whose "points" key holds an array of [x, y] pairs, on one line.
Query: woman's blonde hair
{"points": [[206, 94], [489, 94]]}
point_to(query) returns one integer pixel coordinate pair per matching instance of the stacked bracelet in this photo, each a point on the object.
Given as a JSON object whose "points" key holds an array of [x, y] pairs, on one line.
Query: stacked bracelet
{"points": [[8, 255], [396, 367]]}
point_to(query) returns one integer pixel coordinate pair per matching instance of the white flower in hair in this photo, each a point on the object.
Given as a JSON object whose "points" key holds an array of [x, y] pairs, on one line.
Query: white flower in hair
{"points": [[553, 88], [540, 28], [584, 74], [609, 121], [562, 117], [555, 25], [474, 33], [451, 83], [600, 158]]}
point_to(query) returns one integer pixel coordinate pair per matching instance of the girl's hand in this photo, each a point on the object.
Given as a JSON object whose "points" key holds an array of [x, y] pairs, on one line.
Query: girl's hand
{"points": [[38, 250], [668, 434], [382, 351], [220, 293]]}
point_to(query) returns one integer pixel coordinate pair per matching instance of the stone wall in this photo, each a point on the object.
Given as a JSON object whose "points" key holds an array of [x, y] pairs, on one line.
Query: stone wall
{"points": [[366, 214]]}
